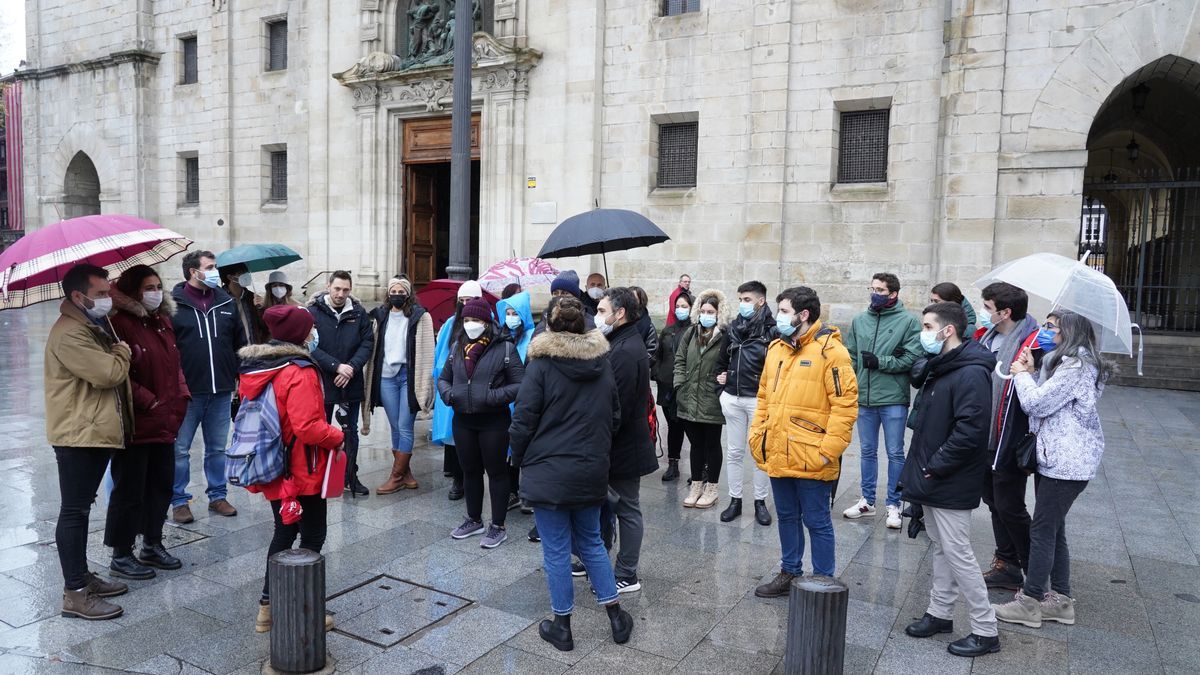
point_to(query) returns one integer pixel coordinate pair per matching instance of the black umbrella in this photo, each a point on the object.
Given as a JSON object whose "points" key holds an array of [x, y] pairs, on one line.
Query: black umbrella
{"points": [[601, 231]]}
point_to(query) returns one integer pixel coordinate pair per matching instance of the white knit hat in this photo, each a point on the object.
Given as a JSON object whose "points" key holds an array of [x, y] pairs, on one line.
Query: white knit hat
{"points": [[470, 289]]}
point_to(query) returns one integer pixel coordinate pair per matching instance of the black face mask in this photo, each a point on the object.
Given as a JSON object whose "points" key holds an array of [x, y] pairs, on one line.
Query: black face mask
{"points": [[398, 301]]}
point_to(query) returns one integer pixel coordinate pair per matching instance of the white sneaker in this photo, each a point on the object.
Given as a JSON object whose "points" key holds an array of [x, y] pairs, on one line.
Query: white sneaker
{"points": [[860, 509], [893, 517]]}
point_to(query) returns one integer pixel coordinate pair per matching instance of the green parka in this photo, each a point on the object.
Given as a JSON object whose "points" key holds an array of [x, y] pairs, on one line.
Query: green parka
{"points": [[696, 390], [893, 335]]}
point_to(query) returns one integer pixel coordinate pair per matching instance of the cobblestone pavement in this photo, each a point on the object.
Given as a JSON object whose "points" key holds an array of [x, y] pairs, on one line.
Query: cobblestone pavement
{"points": [[1134, 536]]}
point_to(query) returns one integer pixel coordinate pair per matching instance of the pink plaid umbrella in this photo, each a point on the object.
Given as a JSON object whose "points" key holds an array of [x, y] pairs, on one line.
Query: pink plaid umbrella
{"points": [[31, 269], [524, 271]]}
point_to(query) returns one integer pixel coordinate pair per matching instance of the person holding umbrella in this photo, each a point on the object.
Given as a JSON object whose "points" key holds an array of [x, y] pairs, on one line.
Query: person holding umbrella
{"points": [[238, 284]]}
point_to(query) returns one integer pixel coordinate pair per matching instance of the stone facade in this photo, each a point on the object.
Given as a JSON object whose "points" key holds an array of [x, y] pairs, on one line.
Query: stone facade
{"points": [[991, 103]]}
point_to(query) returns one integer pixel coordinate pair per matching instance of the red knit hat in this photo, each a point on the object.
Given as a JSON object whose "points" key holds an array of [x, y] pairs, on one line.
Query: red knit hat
{"points": [[288, 323], [477, 308]]}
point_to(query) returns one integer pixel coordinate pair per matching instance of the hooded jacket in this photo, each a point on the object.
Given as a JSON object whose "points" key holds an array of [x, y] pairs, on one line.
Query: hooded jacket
{"points": [[521, 339], [884, 333], [807, 405], [208, 341], [160, 393], [632, 449], [418, 354], [493, 385], [697, 394], [441, 426], [566, 413], [345, 337], [950, 435], [301, 414], [86, 384], [746, 352]]}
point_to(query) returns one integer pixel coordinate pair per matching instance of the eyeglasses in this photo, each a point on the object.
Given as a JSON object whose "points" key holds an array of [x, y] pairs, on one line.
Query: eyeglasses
{"points": [[1050, 326], [881, 291]]}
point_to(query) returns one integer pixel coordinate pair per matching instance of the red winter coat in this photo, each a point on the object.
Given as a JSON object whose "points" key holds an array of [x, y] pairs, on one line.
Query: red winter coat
{"points": [[160, 393], [301, 404]]}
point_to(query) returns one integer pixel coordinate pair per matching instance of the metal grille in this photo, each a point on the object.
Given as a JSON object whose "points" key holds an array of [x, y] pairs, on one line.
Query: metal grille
{"points": [[677, 154], [279, 176], [191, 68], [191, 193], [277, 45], [862, 155], [677, 7]]}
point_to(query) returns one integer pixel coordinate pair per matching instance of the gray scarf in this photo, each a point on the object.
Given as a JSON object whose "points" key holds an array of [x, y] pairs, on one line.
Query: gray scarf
{"points": [[1009, 345]]}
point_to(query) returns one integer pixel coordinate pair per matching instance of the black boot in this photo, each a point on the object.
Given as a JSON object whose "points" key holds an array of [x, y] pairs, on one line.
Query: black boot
{"points": [[558, 632], [672, 472], [355, 487], [621, 621], [928, 626], [154, 555], [761, 514], [456, 490], [125, 565], [974, 645], [734, 510]]}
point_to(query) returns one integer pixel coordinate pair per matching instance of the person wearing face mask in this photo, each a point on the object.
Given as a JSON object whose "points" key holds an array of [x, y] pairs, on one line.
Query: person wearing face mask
{"points": [[950, 292], [664, 377], [947, 461], [442, 425], [88, 417], [697, 392], [479, 382], [239, 285], [594, 290], [807, 404], [402, 350], [144, 472], [279, 291], [683, 288], [884, 342], [516, 318], [208, 333]]}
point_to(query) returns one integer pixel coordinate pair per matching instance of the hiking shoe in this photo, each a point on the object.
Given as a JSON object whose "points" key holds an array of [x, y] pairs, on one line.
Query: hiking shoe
{"points": [[578, 569], [105, 589], [222, 507], [1003, 575], [861, 509], [182, 514], [630, 585], [495, 536], [84, 604], [1059, 608], [974, 645], [779, 587], [693, 495], [928, 626], [469, 528], [708, 496], [154, 555], [262, 622], [893, 517], [1021, 609]]}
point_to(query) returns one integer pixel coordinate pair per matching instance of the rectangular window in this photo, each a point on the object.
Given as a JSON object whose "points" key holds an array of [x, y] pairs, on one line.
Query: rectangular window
{"points": [[677, 7], [279, 174], [277, 47], [677, 154], [191, 70], [191, 181], [863, 146]]}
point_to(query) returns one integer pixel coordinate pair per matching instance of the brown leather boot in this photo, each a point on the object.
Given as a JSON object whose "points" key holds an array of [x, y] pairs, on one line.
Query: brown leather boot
{"points": [[395, 478], [84, 604], [407, 481]]}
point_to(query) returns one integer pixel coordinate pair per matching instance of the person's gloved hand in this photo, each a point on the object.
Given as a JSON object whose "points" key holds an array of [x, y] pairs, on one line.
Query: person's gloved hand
{"points": [[869, 360], [290, 511], [898, 351]]}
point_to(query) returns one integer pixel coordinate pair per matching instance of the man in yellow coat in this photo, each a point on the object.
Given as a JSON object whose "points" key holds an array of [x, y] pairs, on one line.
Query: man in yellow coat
{"points": [[807, 406]]}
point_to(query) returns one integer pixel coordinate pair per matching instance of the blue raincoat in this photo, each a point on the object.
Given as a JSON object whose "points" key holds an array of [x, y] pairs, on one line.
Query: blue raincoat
{"points": [[442, 425], [521, 304]]}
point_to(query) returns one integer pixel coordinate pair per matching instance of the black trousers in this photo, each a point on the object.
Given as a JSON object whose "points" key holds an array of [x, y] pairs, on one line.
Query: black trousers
{"points": [[311, 528], [450, 462], [142, 478], [483, 450], [707, 455], [80, 471], [675, 435], [1004, 493], [351, 434]]}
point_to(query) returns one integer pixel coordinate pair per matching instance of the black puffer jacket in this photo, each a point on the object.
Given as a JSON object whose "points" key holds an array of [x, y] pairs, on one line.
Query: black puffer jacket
{"points": [[491, 387], [664, 366], [347, 338], [633, 451], [951, 437], [747, 351], [566, 413]]}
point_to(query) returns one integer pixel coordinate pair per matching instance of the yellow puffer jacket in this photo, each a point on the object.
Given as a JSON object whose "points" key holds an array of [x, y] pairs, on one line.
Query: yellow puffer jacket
{"points": [[807, 405]]}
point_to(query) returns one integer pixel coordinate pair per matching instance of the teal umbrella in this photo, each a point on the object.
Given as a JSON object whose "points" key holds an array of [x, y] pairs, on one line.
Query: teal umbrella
{"points": [[258, 257]]}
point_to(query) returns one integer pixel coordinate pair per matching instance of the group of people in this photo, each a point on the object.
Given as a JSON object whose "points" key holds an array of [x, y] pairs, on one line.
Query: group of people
{"points": [[558, 417]]}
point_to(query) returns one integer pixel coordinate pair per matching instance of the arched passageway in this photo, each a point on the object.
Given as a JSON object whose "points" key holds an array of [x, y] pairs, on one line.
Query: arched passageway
{"points": [[81, 188]]}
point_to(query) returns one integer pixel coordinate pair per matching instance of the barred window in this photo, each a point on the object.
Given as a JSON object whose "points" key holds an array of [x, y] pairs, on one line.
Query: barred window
{"points": [[279, 191], [863, 147], [191, 69], [677, 154], [191, 190], [677, 7], [277, 47]]}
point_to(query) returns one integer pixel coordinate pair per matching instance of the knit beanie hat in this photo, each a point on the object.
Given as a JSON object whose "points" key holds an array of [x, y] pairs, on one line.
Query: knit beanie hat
{"points": [[470, 289], [288, 323], [567, 280], [404, 284], [477, 308]]}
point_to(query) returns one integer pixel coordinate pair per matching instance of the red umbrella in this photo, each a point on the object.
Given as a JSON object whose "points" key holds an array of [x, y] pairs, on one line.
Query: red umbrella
{"points": [[440, 296]]}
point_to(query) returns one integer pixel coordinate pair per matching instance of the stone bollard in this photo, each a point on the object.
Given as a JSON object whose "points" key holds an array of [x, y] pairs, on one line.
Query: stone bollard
{"points": [[297, 611], [816, 632]]}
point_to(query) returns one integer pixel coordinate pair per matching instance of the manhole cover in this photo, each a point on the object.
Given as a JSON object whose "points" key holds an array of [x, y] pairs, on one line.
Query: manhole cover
{"points": [[385, 610]]}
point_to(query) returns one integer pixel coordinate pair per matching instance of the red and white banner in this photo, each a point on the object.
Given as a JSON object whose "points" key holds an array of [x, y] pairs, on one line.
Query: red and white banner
{"points": [[14, 142]]}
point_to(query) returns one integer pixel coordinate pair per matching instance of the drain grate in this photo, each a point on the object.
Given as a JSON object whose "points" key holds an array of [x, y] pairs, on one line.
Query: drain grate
{"points": [[384, 610]]}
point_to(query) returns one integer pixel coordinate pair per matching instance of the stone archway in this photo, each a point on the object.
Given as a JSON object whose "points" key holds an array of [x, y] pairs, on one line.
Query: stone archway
{"points": [[81, 187]]}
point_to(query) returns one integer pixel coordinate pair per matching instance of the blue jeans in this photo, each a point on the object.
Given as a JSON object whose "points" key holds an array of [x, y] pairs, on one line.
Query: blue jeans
{"points": [[212, 412], [393, 394], [803, 500], [892, 417], [560, 529]]}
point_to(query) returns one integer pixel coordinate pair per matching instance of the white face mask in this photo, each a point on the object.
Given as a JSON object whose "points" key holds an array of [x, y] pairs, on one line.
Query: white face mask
{"points": [[473, 329], [152, 299], [278, 292], [603, 326], [595, 292], [246, 280], [100, 308]]}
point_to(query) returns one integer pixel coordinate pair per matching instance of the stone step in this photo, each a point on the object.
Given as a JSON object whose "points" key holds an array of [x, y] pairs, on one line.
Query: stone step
{"points": [[1156, 383]]}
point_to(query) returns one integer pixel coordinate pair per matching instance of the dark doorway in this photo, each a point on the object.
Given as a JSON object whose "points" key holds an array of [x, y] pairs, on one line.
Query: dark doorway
{"points": [[81, 188], [427, 215]]}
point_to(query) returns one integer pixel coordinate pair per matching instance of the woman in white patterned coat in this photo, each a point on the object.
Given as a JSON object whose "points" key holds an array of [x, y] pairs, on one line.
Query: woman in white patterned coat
{"points": [[1062, 412]]}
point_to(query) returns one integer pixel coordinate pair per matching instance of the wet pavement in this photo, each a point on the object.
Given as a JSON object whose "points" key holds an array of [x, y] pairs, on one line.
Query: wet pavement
{"points": [[419, 601]]}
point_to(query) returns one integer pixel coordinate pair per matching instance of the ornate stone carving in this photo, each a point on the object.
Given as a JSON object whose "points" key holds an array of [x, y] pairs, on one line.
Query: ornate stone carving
{"points": [[507, 78], [429, 91], [366, 95], [428, 32]]}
